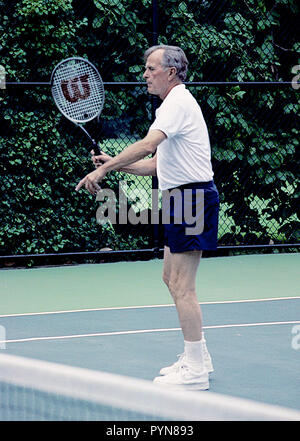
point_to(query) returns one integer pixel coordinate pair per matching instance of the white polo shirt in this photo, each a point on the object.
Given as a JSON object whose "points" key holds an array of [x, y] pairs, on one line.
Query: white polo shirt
{"points": [[185, 155]]}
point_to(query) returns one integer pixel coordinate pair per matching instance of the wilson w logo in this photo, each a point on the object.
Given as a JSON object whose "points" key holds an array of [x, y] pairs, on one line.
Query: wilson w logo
{"points": [[76, 89]]}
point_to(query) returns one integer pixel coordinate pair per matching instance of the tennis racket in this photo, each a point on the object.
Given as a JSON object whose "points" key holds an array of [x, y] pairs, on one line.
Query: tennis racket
{"points": [[78, 92]]}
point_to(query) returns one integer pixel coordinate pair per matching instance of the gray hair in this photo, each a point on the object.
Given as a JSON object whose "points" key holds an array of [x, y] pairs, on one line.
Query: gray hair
{"points": [[173, 56]]}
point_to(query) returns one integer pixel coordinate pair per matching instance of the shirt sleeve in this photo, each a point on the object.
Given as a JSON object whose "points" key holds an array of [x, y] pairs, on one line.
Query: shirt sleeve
{"points": [[170, 119]]}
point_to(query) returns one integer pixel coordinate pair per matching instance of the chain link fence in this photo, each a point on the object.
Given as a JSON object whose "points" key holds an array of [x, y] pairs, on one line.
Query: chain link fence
{"points": [[243, 70]]}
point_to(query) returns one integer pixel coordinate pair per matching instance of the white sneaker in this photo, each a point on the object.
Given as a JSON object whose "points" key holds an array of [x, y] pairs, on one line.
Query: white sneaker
{"points": [[174, 367], [207, 362], [207, 358], [184, 378]]}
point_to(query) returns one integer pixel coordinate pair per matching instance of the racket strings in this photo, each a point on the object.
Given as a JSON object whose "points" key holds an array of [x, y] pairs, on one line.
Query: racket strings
{"points": [[78, 90]]}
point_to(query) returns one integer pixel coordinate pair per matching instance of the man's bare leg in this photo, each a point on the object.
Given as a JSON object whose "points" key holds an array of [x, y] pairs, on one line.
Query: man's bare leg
{"points": [[179, 274]]}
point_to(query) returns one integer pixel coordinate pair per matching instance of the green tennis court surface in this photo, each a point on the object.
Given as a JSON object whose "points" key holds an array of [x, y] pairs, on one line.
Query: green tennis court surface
{"points": [[119, 318], [140, 284]]}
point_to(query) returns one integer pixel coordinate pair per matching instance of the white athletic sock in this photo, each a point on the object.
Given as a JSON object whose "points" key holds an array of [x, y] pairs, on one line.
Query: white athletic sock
{"points": [[194, 354]]}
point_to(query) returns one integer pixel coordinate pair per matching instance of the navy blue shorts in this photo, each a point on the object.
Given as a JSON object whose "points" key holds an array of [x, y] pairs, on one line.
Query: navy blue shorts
{"points": [[190, 215]]}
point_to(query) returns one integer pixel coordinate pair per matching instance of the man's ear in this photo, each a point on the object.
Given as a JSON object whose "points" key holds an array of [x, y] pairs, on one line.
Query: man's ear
{"points": [[173, 72]]}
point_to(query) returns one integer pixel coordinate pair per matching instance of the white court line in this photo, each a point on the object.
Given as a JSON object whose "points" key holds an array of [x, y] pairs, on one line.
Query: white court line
{"points": [[145, 306], [142, 331]]}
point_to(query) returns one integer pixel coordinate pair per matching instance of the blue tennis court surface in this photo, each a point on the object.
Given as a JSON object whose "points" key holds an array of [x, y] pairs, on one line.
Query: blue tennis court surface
{"points": [[255, 344]]}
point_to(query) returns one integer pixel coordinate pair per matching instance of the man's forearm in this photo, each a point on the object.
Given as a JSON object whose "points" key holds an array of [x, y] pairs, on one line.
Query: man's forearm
{"points": [[144, 167], [130, 159], [132, 154]]}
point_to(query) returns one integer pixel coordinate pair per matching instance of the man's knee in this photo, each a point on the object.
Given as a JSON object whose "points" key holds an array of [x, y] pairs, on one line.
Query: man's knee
{"points": [[181, 289], [166, 279], [176, 288], [172, 284]]}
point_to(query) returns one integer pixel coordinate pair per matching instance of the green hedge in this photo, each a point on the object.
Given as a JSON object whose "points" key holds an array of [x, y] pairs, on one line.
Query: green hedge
{"points": [[255, 140]]}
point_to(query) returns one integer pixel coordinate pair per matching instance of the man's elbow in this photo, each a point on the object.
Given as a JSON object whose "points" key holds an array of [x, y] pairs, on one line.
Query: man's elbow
{"points": [[152, 140], [149, 147]]}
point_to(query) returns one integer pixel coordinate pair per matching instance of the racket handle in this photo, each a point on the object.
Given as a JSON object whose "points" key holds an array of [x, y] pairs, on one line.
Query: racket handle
{"points": [[96, 149]]}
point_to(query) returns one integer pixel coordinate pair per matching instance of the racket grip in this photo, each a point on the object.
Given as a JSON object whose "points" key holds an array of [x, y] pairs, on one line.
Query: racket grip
{"points": [[96, 149]]}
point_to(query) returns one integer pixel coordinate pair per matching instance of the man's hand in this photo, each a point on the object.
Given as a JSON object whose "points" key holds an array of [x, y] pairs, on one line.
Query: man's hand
{"points": [[100, 159], [90, 181]]}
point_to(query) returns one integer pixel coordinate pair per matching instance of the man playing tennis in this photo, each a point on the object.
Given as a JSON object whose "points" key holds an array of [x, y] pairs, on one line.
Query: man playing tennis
{"points": [[182, 161]]}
